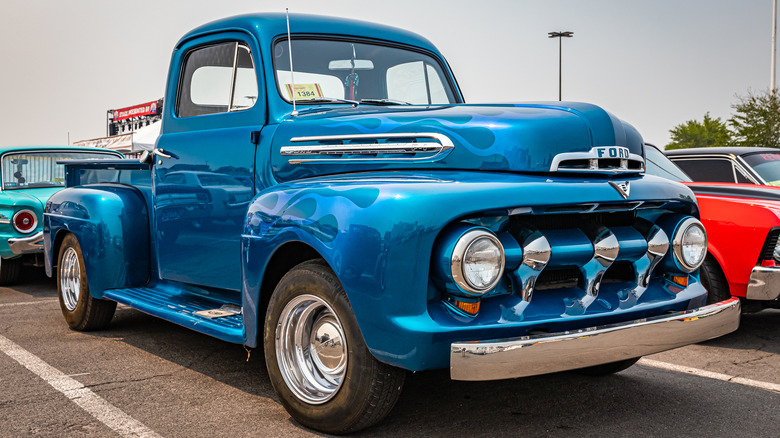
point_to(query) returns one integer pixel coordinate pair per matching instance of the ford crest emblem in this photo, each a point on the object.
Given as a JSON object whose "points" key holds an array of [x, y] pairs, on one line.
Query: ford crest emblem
{"points": [[623, 188]]}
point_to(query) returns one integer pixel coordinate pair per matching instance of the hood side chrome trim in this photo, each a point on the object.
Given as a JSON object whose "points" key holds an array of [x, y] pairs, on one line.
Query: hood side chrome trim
{"points": [[433, 151]]}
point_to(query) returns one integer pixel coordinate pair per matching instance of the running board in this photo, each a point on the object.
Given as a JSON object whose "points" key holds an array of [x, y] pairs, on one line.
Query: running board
{"points": [[214, 318]]}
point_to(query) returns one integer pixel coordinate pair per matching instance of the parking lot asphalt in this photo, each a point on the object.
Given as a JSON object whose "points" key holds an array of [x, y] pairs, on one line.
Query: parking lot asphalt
{"points": [[146, 377]]}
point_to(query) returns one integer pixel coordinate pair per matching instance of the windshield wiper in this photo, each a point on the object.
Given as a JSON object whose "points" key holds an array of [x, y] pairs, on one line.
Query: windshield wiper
{"points": [[328, 100], [384, 102]]}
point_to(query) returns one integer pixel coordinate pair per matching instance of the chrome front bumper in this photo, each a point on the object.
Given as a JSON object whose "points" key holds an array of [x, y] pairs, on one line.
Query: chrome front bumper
{"points": [[764, 284], [27, 245], [543, 354]]}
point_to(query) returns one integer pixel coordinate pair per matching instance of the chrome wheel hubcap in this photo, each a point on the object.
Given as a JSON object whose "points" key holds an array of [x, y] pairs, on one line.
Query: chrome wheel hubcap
{"points": [[311, 349], [70, 279]]}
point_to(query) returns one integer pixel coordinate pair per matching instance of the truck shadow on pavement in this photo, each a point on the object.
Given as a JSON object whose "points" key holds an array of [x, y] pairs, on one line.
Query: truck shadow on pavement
{"points": [[643, 400], [757, 331]]}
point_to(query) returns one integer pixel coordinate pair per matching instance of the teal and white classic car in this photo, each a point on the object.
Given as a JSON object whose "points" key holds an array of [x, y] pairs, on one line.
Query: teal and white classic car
{"points": [[30, 175]]}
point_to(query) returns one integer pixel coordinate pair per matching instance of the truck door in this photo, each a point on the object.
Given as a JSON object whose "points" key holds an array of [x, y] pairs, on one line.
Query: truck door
{"points": [[204, 162]]}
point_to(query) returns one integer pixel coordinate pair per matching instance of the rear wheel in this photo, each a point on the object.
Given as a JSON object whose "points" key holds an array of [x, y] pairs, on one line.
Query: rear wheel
{"points": [[81, 310], [316, 358], [714, 281], [9, 271]]}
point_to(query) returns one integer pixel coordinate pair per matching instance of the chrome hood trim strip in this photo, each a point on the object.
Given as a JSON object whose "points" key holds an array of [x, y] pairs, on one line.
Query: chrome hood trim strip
{"points": [[438, 148]]}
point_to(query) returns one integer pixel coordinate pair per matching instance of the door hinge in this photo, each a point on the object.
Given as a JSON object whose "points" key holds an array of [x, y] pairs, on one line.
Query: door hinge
{"points": [[254, 136]]}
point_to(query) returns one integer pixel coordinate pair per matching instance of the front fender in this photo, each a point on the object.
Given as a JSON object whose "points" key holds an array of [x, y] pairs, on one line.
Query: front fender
{"points": [[111, 224], [377, 232], [726, 217]]}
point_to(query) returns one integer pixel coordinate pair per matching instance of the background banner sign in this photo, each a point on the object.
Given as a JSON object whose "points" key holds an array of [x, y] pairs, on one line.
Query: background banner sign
{"points": [[143, 109], [123, 142]]}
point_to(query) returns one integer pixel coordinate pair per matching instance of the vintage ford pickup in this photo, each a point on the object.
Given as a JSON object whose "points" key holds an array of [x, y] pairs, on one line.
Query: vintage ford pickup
{"points": [[329, 197]]}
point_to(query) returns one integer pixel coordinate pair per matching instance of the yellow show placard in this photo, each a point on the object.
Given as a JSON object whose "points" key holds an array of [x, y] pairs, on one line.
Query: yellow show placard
{"points": [[304, 91]]}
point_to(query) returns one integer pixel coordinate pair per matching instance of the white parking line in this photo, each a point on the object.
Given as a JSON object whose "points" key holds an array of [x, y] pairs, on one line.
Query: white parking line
{"points": [[774, 387], [96, 406], [24, 303]]}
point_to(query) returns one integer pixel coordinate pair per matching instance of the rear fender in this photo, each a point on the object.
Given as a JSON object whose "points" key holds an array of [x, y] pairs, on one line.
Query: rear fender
{"points": [[111, 224]]}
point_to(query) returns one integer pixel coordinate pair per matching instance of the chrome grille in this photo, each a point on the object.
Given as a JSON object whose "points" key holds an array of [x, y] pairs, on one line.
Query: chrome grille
{"points": [[583, 251]]}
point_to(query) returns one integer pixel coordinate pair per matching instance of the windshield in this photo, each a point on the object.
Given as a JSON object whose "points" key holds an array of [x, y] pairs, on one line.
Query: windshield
{"points": [[658, 165], [40, 169], [766, 165], [333, 70]]}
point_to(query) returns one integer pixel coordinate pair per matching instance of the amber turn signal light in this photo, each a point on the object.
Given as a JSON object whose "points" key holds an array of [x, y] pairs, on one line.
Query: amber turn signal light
{"points": [[681, 280], [470, 308]]}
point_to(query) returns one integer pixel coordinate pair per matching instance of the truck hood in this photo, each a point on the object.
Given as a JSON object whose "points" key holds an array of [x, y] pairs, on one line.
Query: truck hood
{"points": [[529, 137]]}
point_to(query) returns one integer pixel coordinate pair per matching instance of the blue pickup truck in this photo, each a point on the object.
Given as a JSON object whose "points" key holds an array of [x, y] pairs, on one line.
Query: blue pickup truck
{"points": [[324, 193]]}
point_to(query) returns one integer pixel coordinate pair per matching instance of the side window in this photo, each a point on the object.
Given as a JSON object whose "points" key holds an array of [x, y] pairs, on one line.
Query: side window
{"points": [[415, 82], [217, 79], [709, 169], [741, 175], [245, 88]]}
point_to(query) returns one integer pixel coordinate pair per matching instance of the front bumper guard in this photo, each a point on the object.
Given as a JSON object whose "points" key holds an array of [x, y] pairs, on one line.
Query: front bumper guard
{"points": [[543, 354], [764, 283], [27, 245]]}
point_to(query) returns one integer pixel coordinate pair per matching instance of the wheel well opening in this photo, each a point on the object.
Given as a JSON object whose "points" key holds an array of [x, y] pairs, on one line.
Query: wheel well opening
{"points": [[284, 259], [55, 248], [718, 265]]}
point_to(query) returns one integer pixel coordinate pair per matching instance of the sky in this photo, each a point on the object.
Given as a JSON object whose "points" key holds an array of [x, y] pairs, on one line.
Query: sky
{"points": [[654, 64]]}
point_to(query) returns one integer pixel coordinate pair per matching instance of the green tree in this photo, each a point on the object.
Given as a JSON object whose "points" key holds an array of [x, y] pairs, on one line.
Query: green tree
{"points": [[757, 120], [693, 134]]}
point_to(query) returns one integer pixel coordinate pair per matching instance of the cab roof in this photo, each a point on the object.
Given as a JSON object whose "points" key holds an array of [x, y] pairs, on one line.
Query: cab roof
{"points": [[723, 150], [267, 26]]}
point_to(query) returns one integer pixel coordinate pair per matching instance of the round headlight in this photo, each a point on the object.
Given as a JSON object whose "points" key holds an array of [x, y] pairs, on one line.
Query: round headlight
{"points": [[690, 244], [477, 261], [776, 252]]}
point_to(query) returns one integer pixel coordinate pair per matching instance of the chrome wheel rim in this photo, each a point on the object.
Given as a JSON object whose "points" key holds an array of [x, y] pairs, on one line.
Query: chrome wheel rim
{"points": [[311, 349], [70, 279]]}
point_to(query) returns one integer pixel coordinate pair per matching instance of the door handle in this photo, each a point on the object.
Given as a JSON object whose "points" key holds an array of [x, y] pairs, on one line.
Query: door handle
{"points": [[160, 153]]}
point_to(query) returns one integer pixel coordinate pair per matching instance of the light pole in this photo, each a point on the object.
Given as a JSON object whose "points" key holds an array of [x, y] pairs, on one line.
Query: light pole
{"points": [[774, 47], [560, 36]]}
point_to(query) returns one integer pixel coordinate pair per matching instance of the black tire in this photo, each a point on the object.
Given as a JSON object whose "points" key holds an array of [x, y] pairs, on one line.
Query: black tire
{"points": [[81, 311], [607, 368], [368, 389], [9, 271], [714, 281]]}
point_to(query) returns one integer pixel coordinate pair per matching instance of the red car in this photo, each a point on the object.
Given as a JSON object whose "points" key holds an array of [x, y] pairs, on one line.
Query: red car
{"points": [[743, 226]]}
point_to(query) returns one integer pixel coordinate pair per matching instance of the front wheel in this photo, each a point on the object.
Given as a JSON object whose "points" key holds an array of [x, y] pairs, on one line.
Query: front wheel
{"points": [[81, 310], [713, 279], [316, 358]]}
